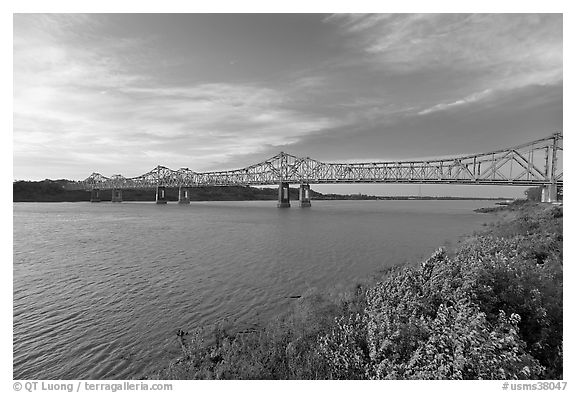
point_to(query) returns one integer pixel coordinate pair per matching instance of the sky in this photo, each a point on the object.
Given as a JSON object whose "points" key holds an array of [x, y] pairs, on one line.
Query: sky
{"points": [[123, 93]]}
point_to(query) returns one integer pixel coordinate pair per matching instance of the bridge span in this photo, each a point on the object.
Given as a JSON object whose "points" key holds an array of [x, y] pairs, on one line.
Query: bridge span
{"points": [[536, 163]]}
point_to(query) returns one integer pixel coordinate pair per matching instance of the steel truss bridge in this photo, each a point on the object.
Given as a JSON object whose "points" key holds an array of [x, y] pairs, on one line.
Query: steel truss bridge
{"points": [[536, 163]]}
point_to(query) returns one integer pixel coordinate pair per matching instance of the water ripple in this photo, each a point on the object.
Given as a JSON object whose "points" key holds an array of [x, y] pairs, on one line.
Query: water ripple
{"points": [[99, 289]]}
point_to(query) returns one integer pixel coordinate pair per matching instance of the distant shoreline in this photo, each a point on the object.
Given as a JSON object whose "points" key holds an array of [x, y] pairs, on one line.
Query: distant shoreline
{"points": [[400, 198], [57, 191]]}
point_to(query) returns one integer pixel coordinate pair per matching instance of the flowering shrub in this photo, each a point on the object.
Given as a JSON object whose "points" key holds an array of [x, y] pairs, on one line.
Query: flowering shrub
{"points": [[344, 349], [416, 331]]}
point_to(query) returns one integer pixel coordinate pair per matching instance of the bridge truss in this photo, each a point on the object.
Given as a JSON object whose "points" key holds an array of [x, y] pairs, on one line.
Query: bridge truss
{"points": [[536, 163]]}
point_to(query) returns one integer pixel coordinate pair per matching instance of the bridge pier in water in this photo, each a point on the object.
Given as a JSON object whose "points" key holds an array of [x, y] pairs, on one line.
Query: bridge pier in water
{"points": [[183, 195], [550, 193], [305, 195], [95, 195], [283, 195], [116, 195], [161, 195]]}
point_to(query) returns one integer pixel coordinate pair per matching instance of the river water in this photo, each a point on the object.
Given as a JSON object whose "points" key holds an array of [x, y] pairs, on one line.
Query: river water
{"points": [[100, 289]]}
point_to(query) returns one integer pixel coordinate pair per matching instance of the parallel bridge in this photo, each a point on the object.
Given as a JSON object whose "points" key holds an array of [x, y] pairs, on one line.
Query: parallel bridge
{"points": [[536, 163]]}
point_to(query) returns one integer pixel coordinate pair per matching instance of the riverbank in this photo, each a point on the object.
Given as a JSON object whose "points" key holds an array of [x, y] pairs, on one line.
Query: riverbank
{"points": [[490, 308], [60, 191]]}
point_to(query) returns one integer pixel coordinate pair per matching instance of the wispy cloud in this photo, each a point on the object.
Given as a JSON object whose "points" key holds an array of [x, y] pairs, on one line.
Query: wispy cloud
{"points": [[77, 96], [472, 98], [94, 92], [508, 48], [477, 59]]}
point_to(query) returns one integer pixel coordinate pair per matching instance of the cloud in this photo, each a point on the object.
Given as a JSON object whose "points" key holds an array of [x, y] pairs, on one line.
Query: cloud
{"points": [[472, 98], [88, 96], [81, 99], [186, 126], [443, 63], [503, 47], [358, 22]]}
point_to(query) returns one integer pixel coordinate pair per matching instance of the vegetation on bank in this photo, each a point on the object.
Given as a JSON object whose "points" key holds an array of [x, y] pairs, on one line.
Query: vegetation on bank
{"points": [[489, 309], [58, 191], [46, 191], [514, 206]]}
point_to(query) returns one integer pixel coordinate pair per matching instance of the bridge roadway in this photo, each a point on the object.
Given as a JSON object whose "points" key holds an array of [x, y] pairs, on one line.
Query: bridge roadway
{"points": [[536, 163]]}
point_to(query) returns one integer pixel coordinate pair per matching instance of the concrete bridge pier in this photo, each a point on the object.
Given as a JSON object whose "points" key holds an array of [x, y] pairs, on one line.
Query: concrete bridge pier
{"points": [[550, 193], [305, 195], [161, 195], [183, 196], [95, 195], [116, 195], [283, 195]]}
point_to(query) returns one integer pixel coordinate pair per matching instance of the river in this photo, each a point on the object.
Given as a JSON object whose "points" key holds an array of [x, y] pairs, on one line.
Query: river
{"points": [[100, 289]]}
